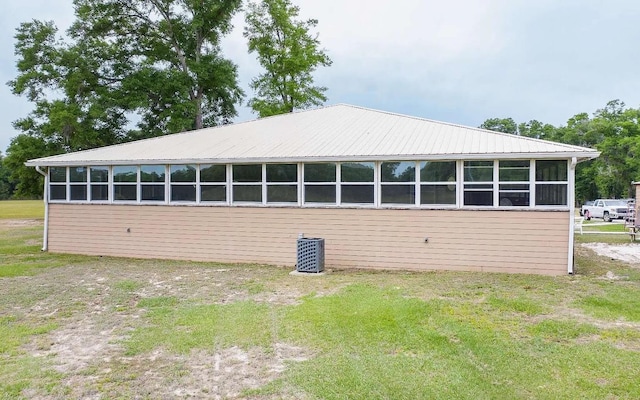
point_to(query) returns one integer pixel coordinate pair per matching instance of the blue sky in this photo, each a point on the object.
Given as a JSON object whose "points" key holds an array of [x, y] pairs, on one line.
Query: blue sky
{"points": [[460, 62]]}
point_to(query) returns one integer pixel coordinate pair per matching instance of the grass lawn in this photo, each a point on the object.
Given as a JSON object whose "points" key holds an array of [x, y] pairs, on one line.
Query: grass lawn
{"points": [[75, 326], [21, 209]]}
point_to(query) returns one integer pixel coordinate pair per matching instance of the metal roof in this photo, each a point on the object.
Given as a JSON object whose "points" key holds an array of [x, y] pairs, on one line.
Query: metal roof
{"points": [[333, 133]]}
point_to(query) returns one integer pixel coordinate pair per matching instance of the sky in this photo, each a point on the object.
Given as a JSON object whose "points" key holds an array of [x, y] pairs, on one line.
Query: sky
{"points": [[458, 61]]}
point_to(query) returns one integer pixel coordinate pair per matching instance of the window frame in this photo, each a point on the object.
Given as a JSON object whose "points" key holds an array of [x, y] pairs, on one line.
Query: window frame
{"points": [[132, 174]]}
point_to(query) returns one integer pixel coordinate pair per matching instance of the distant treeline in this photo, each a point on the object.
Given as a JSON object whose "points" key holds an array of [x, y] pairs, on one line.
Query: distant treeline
{"points": [[613, 130]]}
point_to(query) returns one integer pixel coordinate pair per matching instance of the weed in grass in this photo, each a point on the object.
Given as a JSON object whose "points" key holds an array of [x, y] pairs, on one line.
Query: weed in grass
{"points": [[127, 285]]}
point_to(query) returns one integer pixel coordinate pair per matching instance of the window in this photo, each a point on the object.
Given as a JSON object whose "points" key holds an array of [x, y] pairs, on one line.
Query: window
{"points": [[247, 183], [438, 182], [183, 183], [551, 183], [357, 183], [125, 180], [213, 183], [58, 183], [514, 183], [99, 183], [320, 183], [78, 183], [152, 180], [398, 182], [478, 183], [282, 183]]}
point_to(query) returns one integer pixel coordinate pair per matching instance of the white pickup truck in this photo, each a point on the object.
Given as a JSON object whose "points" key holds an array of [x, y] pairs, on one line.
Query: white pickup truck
{"points": [[607, 209]]}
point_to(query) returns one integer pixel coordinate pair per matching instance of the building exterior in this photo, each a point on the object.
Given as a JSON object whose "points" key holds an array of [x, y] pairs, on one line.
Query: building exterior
{"points": [[385, 191]]}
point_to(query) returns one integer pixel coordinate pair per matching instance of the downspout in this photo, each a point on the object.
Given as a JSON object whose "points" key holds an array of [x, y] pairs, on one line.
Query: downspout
{"points": [[571, 193], [45, 236]]}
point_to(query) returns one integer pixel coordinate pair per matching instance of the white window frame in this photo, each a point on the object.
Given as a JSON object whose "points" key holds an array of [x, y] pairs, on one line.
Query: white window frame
{"points": [[375, 203], [266, 184], [225, 184], [420, 183], [304, 183], [171, 184]]}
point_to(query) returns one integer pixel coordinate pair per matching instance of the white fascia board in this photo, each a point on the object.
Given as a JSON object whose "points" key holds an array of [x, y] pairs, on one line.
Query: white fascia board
{"points": [[582, 156]]}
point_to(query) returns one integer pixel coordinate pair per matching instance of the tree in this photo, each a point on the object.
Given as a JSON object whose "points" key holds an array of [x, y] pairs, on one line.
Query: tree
{"points": [[289, 54], [6, 186], [126, 69], [28, 182], [613, 130], [160, 59], [504, 125]]}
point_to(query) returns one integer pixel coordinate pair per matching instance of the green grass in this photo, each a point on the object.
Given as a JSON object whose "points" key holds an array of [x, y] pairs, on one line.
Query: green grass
{"points": [[21, 209], [617, 303], [365, 334], [182, 328]]}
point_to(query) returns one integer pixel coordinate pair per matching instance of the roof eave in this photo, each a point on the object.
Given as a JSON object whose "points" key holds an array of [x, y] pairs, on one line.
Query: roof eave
{"points": [[581, 156]]}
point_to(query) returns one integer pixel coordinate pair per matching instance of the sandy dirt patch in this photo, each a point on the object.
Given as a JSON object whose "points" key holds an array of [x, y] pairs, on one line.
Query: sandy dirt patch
{"points": [[629, 253]]}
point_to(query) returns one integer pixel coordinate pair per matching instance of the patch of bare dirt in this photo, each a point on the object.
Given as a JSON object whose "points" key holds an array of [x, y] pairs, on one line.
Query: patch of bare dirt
{"points": [[18, 223], [96, 307], [629, 253]]}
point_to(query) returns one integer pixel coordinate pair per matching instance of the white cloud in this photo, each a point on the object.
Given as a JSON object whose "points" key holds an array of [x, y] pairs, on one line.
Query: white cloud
{"points": [[460, 61]]}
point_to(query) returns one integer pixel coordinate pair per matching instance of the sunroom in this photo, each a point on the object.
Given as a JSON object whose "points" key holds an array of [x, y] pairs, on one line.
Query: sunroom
{"points": [[385, 191]]}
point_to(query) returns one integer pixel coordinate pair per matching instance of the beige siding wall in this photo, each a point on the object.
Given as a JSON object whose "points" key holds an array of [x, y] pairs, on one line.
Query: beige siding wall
{"points": [[502, 241]]}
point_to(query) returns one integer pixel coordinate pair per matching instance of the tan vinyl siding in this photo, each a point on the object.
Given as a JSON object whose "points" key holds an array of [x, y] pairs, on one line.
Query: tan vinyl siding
{"points": [[497, 241]]}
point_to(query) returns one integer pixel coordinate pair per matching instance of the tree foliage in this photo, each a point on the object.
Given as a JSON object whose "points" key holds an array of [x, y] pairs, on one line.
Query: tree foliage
{"points": [[613, 130], [126, 69], [289, 54]]}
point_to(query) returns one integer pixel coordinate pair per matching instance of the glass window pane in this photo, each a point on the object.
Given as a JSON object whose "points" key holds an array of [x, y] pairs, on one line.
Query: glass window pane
{"points": [[282, 173], [282, 194], [57, 192], [247, 173], [320, 172], [77, 174], [183, 173], [152, 173], [399, 194], [551, 195], [125, 192], [404, 171], [479, 198], [519, 187], [438, 171], [152, 192], [516, 170], [99, 174], [58, 174], [78, 192], [357, 172], [99, 192], [320, 193], [478, 171], [514, 199], [357, 193], [213, 193], [183, 192], [437, 194], [125, 173], [551, 170], [252, 193], [213, 173]]}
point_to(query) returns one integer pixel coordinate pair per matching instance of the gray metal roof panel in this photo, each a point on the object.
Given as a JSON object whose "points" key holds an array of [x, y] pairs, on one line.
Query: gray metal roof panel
{"points": [[331, 133]]}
